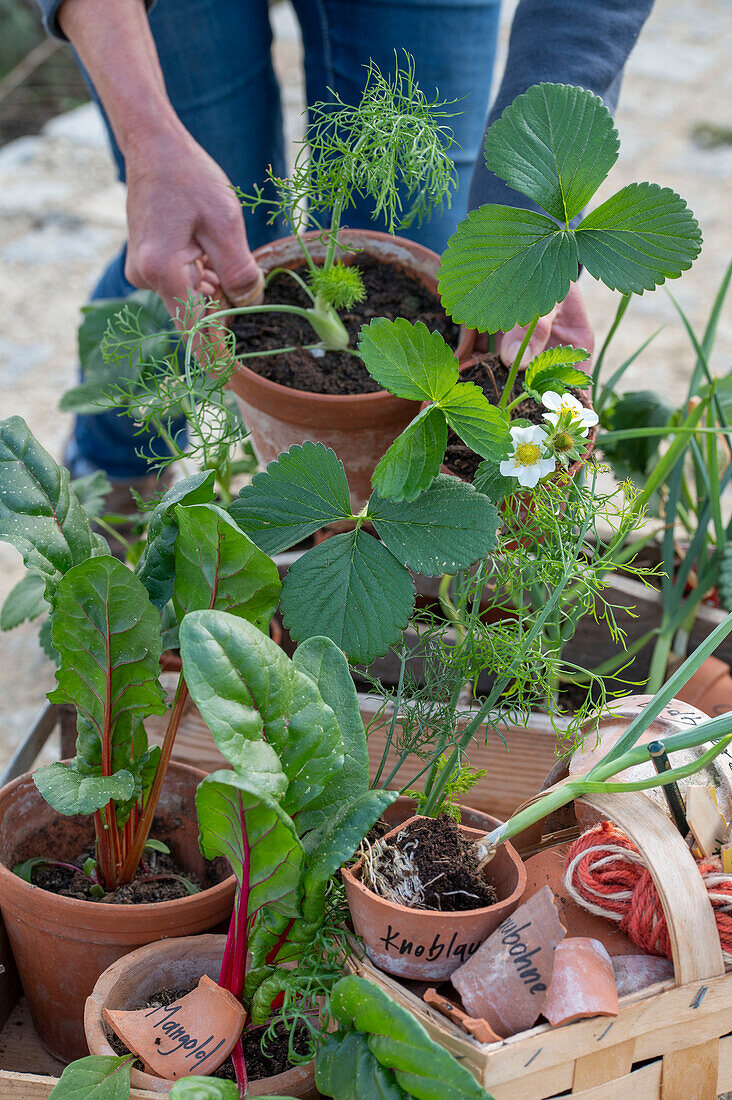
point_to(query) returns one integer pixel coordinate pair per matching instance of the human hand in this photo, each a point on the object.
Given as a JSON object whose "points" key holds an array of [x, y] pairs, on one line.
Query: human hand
{"points": [[567, 323], [185, 224]]}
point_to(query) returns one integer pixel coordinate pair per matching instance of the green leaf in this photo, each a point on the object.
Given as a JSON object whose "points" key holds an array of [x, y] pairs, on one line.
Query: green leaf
{"points": [[351, 589], [638, 238], [155, 567], [558, 379], [481, 425], [108, 636], [490, 481], [247, 689], [218, 566], [241, 821], [39, 512], [205, 1088], [553, 359], [324, 663], [640, 409], [97, 1077], [343, 834], [302, 491], [504, 266], [92, 491], [157, 846], [24, 602], [70, 792], [413, 460], [25, 869], [555, 143], [345, 1067], [407, 359], [424, 1069], [725, 577], [448, 528]]}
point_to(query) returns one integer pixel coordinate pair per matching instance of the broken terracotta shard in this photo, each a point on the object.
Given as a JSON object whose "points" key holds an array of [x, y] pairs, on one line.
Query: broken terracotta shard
{"points": [[583, 983], [193, 1035], [635, 972], [507, 979]]}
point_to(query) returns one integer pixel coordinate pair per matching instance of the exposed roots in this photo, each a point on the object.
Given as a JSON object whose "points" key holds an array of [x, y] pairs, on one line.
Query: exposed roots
{"points": [[392, 873]]}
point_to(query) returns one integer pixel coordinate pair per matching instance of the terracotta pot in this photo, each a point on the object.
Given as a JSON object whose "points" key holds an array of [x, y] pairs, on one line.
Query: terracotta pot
{"points": [[359, 427], [62, 945], [710, 688], [128, 983], [426, 944]]}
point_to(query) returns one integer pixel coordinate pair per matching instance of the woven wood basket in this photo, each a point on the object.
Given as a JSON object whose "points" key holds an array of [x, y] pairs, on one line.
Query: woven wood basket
{"points": [[671, 1041]]}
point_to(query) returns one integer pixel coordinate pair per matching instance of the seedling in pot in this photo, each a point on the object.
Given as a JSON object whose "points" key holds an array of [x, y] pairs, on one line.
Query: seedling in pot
{"points": [[293, 809], [505, 266], [106, 628]]}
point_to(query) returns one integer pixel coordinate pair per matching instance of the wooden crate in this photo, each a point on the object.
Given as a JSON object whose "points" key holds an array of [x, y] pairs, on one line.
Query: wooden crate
{"points": [[672, 1041]]}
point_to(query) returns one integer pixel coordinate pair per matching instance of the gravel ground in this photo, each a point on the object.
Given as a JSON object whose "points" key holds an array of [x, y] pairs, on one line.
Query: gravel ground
{"points": [[62, 216]]}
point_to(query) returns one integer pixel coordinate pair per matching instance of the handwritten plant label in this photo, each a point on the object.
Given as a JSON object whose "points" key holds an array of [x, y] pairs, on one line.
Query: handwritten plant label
{"points": [[194, 1035], [506, 980]]}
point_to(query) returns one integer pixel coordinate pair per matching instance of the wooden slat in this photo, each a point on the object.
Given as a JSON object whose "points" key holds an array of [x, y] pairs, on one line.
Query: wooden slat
{"points": [[691, 1072], [30, 1086], [603, 1065]]}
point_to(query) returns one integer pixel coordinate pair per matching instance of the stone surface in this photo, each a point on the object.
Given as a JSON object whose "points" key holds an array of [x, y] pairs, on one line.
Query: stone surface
{"points": [[661, 106]]}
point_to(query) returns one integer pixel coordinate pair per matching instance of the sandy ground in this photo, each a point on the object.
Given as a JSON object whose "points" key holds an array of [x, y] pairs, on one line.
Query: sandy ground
{"points": [[62, 217]]}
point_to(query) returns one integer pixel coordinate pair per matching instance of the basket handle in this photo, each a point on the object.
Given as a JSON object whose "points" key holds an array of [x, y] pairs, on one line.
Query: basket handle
{"points": [[692, 926]]}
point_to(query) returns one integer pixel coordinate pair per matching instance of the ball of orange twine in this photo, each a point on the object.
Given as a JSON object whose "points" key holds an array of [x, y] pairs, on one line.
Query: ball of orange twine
{"points": [[606, 874]]}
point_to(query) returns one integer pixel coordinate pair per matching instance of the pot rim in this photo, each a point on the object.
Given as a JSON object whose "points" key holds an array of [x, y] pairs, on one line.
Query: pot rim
{"points": [[74, 907], [349, 877], [333, 400], [94, 1027]]}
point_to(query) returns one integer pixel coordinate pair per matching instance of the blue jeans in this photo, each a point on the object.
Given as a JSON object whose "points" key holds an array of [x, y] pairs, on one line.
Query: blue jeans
{"points": [[216, 59]]}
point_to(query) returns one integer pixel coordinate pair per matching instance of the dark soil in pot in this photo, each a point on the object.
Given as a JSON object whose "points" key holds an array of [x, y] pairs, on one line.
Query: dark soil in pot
{"points": [[491, 375], [390, 292], [159, 878], [261, 1063], [434, 862]]}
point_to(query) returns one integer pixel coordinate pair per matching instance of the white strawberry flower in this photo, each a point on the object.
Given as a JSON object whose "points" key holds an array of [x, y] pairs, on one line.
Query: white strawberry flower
{"points": [[530, 461], [567, 403]]}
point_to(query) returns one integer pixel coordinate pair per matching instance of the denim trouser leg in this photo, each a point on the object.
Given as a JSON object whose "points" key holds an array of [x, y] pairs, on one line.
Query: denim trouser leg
{"points": [[215, 56]]}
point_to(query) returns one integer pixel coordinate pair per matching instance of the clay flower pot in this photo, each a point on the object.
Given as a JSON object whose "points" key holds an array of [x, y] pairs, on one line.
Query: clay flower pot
{"points": [[170, 964], [61, 945], [710, 688], [359, 427], [429, 945]]}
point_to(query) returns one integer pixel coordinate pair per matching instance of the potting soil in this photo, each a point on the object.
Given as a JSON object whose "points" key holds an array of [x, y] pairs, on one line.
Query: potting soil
{"points": [[390, 292], [145, 889]]}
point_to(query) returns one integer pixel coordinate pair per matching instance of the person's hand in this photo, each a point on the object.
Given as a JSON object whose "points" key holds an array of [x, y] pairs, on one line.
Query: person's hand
{"points": [[185, 224], [566, 324]]}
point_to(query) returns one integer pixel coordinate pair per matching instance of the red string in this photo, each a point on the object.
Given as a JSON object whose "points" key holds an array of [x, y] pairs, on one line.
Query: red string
{"points": [[605, 873]]}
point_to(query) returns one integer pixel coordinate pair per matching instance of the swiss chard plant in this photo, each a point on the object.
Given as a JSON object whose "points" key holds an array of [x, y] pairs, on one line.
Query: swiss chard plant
{"points": [[504, 266], [354, 588], [107, 631], [292, 810]]}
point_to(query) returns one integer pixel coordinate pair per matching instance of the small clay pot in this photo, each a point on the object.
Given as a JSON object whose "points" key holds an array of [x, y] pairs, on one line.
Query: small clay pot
{"points": [[61, 945], [128, 983], [359, 427], [429, 945], [710, 688]]}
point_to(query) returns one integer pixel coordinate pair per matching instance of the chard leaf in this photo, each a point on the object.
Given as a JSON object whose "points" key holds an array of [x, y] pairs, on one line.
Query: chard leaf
{"points": [[240, 820], [413, 461], [400, 1044], [108, 636], [247, 689], [351, 589], [207, 1088], [638, 238], [342, 835], [39, 512], [555, 143], [97, 1077], [155, 567], [24, 602], [481, 425], [302, 491], [503, 266], [407, 359], [70, 792], [218, 566], [448, 528]]}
